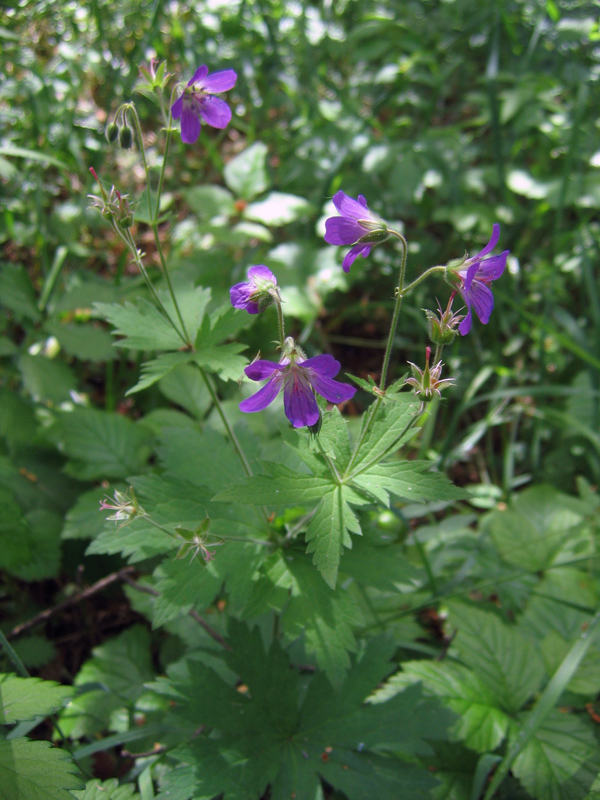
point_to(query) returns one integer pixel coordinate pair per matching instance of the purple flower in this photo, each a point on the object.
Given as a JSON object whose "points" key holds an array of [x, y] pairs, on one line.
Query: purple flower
{"points": [[255, 295], [198, 100], [476, 274], [357, 226], [299, 377]]}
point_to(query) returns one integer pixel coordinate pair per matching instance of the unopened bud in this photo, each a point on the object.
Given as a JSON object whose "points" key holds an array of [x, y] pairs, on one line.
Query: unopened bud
{"points": [[125, 137], [112, 132]]}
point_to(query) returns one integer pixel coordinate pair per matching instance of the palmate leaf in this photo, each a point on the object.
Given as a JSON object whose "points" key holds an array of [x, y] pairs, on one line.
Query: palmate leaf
{"points": [[26, 698], [391, 421], [264, 735], [308, 608], [211, 353], [144, 327], [408, 479], [155, 370], [36, 771], [279, 487]]}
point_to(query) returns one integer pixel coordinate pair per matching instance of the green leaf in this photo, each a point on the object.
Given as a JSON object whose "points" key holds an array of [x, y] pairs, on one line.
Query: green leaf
{"points": [[214, 356], [84, 520], [85, 342], [121, 666], [36, 771], [408, 479], [482, 725], [506, 662], [282, 485], [586, 680], [246, 174], [44, 544], [329, 531], [107, 790], [47, 379], [27, 698], [183, 585], [185, 387], [142, 325], [278, 209], [17, 293], [146, 328], [390, 422], [158, 368], [210, 201], [561, 761], [530, 533], [102, 445], [15, 541], [270, 733]]}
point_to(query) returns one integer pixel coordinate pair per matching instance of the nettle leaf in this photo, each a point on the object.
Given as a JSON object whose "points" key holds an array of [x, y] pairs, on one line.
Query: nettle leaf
{"points": [[246, 174], [389, 424], [214, 356], [482, 724], [27, 698], [102, 445], [506, 662], [531, 532], [561, 761], [36, 771], [267, 736], [120, 667], [413, 480], [107, 790]]}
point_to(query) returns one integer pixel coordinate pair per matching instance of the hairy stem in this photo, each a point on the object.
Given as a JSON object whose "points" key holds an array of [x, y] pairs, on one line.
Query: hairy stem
{"points": [[396, 314]]}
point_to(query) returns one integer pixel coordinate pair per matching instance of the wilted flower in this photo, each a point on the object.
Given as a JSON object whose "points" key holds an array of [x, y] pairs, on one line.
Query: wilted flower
{"points": [[198, 100], [299, 377], [475, 275], [443, 325], [114, 206], [357, 226], [257, 293], [196, 542], [426, 382], [125, 505]]}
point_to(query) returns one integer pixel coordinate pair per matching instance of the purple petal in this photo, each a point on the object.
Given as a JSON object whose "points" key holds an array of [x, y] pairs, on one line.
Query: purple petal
{"points": [[263, 398], [359, 249], [332, 391], [240, 297], [299, 402], [482, 300], [261, 369], [492, 242], [215, 112], [220, 81], [341, 230], [262, 273], [177, 108], [465, 325], [200, 73], [490, 269], [362, 200], [190, 125], [348, 207], [322, 365]]}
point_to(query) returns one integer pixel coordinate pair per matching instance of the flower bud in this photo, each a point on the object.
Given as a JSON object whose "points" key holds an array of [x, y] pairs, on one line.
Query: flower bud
{"points": [[125, 137], [112, 132]]}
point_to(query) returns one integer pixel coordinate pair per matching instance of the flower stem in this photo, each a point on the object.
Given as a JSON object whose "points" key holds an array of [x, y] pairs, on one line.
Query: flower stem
{"points": [[396, 314], [135, 254], [138, 129], [279, 318], [421, 278]]}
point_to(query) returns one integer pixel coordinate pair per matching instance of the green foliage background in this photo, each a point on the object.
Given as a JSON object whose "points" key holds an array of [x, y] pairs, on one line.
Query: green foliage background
{"points": [[456, 615]]}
